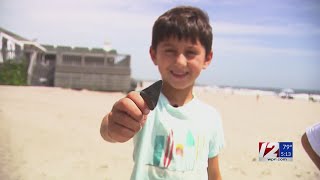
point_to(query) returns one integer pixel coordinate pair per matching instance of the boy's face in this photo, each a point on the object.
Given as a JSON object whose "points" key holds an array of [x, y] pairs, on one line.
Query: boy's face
{"points": [[180, 61]]}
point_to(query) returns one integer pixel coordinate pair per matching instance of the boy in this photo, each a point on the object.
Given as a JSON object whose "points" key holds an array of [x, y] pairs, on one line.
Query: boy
{"points": [[311, 143], [181, 137]]}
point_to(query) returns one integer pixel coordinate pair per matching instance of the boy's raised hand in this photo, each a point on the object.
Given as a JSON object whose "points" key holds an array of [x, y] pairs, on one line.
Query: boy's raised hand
{"points": [[129, 114], [127, 117]]}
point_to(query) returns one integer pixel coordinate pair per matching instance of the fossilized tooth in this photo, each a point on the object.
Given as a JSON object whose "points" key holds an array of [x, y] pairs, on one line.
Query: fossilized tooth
{"points": [[151, 94]]}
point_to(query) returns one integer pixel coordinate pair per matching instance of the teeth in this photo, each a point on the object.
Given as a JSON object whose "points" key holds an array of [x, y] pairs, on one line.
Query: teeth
{"points": [[178, 73]]}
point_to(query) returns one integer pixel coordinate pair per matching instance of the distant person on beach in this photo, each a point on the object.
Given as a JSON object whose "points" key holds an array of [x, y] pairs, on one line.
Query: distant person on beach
{"points": [[182, 137], [311, 143]]}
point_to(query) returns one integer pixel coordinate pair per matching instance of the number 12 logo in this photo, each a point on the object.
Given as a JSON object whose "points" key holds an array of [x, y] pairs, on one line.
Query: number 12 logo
{"points": [[268, 149]]}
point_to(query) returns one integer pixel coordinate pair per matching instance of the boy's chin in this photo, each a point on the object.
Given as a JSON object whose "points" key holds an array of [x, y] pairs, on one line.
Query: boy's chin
{"points": [[180, 86]]}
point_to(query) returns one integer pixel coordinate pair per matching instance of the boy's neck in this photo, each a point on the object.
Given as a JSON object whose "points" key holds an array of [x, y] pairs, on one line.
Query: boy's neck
{"points": [[177, 97]]}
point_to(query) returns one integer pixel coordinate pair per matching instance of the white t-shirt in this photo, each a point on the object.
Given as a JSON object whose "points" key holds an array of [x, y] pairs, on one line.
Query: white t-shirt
{"points": [[313, 134], [175, 143]]}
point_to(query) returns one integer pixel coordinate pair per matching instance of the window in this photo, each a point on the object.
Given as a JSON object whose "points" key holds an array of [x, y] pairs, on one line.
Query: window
{"points": [[93, 61], [71, 60]]}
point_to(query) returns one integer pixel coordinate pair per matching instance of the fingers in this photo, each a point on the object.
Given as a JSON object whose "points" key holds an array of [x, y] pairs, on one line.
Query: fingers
{"points": [[122, 127], [140, 103], [120, 134], [126, 121], [127, 117], [133, 105]]}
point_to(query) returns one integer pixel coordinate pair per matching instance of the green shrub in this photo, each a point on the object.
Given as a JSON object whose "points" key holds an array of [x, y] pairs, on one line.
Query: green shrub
{"points": [[13, 72]]}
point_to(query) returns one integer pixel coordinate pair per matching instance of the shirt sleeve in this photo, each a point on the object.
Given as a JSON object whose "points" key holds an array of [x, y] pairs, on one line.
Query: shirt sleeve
{"points": [[313, 134], [216, 142]]}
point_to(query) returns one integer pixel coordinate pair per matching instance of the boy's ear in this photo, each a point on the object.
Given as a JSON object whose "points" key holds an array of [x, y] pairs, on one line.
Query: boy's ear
{"points": [[208, 60], [152, 53]]}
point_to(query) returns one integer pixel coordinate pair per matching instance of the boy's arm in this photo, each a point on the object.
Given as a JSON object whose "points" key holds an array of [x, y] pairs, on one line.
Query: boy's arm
{"points": [[213, 169], [313, 155]]}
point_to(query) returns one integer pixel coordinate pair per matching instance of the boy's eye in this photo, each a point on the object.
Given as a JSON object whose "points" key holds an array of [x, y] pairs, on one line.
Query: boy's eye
{"points": [[191, 52], [170, 51]]}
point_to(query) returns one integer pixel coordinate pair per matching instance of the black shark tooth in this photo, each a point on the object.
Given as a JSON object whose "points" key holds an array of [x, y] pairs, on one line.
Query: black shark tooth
{"points": [[151, 94]]}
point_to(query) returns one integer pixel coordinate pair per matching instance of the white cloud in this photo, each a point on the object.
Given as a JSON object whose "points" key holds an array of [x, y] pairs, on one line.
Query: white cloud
{"points": [[226, 28], [244, 48]]}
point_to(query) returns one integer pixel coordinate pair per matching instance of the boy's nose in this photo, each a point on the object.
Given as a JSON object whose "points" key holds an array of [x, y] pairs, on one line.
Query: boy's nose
{"points": [[181, 60]]}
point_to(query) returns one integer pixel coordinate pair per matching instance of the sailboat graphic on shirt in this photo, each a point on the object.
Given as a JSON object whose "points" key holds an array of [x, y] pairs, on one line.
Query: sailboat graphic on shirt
{"points": [[175, 151], [163, 150]]}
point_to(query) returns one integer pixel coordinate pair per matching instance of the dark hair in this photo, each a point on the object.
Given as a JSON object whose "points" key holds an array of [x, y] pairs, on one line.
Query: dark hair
{"points": [[183, 22]]}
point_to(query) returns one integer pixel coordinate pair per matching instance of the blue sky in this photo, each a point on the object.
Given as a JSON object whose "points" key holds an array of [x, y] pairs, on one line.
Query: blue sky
{"points": [[265, 43]]}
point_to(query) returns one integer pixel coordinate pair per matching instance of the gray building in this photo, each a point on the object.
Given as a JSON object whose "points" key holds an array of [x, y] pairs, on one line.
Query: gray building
{"points": [[63, 66], [94, 69]]}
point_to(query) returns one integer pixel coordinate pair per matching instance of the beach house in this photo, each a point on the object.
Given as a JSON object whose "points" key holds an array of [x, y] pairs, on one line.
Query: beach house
{"points": [[68, 67], [95, 69]]}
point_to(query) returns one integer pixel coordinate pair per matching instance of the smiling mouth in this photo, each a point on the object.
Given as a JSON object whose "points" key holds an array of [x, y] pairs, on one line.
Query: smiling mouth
{"points": [[179, 74]]}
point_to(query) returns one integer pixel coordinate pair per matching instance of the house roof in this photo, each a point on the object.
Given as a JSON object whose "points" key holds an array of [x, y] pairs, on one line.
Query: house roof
{"points": [[16, 36], [98, 50], [48, 47], [81, 49], [22, 39], [64, 48]]}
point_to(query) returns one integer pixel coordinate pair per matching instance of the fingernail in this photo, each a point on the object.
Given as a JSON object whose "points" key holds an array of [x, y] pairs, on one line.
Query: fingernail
{"points": [[146, 111]]}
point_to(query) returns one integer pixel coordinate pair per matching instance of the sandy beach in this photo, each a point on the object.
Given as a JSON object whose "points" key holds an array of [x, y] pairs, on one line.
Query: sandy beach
{"points": [[53, 133]]}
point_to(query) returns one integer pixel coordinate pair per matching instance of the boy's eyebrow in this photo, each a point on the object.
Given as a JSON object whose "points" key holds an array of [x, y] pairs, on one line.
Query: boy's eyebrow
{"points": [[167, 44], [192, 46]]}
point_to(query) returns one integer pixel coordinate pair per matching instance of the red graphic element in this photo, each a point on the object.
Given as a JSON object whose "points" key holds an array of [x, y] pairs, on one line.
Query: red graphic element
{"points": [[169, 149], [267, 147]]}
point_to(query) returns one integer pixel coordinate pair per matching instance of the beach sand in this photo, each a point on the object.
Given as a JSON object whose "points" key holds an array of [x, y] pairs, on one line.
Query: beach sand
{"points": [[53, 133]]}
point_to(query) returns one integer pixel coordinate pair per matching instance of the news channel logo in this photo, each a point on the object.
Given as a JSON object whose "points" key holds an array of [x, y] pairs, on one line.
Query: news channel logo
{"points": [[275, 151]]}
